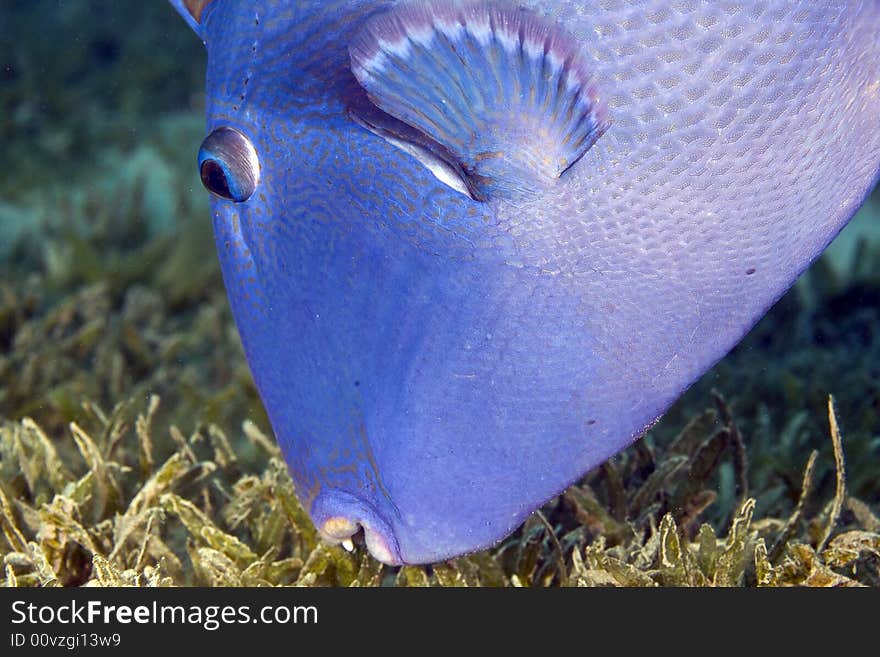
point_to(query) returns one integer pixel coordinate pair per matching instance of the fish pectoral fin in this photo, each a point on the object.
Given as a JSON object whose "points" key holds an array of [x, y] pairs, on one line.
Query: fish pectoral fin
{"points": [[499, 91], [432, 155]]}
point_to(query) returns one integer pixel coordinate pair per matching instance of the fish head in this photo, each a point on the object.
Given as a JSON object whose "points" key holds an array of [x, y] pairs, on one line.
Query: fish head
{"points": [[473, 249], [321, 224]]}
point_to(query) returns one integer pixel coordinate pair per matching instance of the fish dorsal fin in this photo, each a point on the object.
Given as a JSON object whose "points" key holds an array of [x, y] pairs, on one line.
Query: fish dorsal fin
{"points": [[505, 92], [191, 11]]}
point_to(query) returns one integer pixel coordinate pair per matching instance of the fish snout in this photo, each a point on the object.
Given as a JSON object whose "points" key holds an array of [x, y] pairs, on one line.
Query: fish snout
{"points": [[339, 516]]}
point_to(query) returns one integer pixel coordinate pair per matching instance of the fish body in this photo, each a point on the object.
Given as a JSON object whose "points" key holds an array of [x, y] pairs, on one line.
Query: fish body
{"points": [[437, 361]]}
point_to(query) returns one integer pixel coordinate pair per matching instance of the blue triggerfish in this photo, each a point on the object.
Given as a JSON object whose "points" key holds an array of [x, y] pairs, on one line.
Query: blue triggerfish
{"points": [[475, 248]]}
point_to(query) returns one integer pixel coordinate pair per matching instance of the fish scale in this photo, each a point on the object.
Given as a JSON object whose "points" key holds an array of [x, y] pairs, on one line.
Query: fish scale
{"points": [[435, 367]]}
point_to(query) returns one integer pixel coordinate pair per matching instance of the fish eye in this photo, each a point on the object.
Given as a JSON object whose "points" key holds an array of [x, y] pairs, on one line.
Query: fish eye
{"points": [[228, 165]]}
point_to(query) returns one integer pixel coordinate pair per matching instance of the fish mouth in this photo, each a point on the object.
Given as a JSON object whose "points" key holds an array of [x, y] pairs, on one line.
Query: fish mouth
{"points": [[339, 516]]}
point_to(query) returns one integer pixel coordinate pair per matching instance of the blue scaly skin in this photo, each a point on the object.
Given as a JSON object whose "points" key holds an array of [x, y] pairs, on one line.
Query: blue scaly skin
{"points": [[435, 367]]}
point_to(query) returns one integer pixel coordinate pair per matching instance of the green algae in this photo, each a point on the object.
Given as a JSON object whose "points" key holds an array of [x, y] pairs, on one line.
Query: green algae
{"points": [[134, 451], [113, 520]]}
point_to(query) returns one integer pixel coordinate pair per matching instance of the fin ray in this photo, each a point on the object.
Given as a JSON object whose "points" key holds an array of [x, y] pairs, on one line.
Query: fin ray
{"points": [[505, 92]]}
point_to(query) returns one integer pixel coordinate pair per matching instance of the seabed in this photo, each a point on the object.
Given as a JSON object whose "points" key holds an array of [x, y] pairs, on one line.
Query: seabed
{"points": [[134, 449]]}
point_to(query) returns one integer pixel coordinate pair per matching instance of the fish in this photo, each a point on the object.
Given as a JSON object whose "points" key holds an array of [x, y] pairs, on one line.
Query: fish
{"points": [[474, 248]]}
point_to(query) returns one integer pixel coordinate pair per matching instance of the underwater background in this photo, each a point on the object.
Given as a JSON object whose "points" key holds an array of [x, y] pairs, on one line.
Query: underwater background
{"points": [[133, 445]]}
